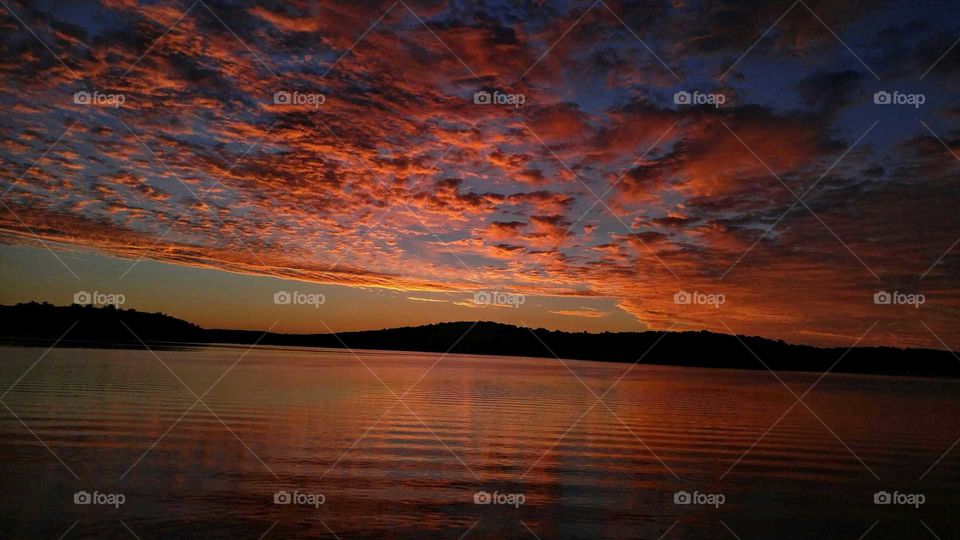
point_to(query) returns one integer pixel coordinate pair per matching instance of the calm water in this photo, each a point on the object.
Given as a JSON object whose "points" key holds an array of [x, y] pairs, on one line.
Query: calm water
{"points": [[320, 422]]}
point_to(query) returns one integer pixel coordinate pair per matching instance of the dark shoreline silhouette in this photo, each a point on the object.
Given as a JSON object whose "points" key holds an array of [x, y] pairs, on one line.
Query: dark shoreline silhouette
{"points": [[35, 323]]}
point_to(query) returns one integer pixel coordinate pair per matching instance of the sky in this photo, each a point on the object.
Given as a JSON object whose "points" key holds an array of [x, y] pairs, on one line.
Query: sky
{"points": [[783, 169]]}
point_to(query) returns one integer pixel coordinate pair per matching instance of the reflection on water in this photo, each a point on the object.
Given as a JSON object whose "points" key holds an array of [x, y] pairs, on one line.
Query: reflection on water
{"points": [[312, 423]]}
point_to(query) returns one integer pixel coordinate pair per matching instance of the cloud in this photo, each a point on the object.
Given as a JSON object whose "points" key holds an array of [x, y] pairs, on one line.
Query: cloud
{"points": [[582, 312], [598, 186]]}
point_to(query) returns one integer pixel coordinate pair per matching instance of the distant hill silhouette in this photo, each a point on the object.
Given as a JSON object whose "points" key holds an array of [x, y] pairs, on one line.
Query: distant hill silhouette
{"points": [[46, 322], [35, 321]]}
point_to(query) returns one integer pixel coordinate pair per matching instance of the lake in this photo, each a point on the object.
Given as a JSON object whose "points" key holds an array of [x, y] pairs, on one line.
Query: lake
{"points": [[300, 443]]}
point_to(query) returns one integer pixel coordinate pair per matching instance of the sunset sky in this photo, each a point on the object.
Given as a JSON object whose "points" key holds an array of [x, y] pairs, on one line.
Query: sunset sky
{"points": [[190, 184]]}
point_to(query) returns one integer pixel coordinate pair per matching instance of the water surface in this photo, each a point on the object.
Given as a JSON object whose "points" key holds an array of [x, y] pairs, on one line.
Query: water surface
{"points": [[329, 422]]}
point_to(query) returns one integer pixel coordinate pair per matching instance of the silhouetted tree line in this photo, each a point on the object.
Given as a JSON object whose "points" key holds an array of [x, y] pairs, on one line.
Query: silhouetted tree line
{"points": [[703, 349], [100, 324]]}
